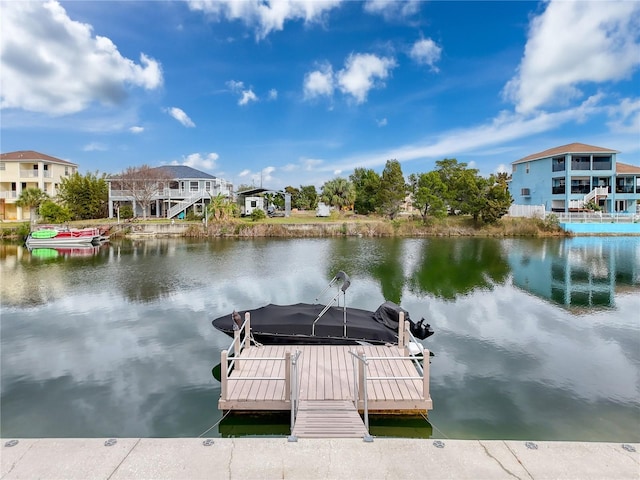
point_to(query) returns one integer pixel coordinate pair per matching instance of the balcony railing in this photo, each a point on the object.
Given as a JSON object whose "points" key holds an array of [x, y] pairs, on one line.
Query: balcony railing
{"points": [[624, 189], [8, 195], [28, 173], [557, 190]]}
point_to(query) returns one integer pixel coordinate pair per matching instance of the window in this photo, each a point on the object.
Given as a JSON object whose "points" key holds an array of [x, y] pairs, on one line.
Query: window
{"points": [[580, 185], [557, 186], [527, 169], [66, 171], [207, 186], [557, 164], [525, 192], [2, 166], [514, 168], [580, 163], [602, 163], [624, 185], [193, 186]]}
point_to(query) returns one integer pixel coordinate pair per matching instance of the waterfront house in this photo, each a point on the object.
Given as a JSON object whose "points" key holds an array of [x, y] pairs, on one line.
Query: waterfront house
{"points": [[28, 169], [187, 190], [569, 177]]}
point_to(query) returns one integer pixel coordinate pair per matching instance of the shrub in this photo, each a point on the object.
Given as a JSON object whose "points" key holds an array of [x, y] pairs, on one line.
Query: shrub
{"points": [[126, 212], [51, 212], [258, 214]]}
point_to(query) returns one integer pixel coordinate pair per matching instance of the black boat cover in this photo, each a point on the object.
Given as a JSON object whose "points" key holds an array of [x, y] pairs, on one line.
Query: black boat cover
{"points": [[274, 322]]}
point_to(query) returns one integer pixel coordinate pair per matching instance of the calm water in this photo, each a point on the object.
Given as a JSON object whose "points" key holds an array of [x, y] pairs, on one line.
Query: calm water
{"points": [[535, 339]]}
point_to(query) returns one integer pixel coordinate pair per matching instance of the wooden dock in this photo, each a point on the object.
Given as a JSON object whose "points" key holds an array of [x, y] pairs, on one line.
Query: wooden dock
{"points": [[324, 386], [261, 378]]}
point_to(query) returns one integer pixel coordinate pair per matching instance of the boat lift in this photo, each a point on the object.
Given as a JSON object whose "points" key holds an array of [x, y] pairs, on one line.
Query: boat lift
{"points": [[346, 282]]}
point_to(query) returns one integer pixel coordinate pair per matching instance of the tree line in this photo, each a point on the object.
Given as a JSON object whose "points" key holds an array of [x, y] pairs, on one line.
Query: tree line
{"points": [[451, 188]]}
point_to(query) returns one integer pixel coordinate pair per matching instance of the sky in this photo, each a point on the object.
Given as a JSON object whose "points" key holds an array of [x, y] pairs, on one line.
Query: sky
{"points": [[275, 93]]}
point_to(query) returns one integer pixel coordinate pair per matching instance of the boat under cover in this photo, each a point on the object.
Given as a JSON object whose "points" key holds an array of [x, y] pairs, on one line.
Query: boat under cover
{"points": [[294, 324]]}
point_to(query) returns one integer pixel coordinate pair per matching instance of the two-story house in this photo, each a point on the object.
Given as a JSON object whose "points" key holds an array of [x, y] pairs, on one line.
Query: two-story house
{"points": [[568, 177], [187, 189], [28, 169]]}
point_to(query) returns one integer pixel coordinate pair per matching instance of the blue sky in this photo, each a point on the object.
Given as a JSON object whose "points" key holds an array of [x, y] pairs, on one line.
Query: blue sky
{"points": [[298, 92]]}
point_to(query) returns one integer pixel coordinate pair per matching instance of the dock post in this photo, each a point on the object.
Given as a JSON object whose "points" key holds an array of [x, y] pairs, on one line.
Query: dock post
{"points": [[287, 374], [247, 330], [361, 367], [224, 367], [236, 347], [401, 330], [425, 374]]}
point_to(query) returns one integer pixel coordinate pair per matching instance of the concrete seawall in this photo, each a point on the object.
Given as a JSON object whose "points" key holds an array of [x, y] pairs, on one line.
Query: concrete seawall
{"points": [[276, 458]]}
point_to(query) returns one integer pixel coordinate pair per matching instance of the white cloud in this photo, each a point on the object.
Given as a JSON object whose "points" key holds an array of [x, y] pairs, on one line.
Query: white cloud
{"points": [[502, 168], [265, 16], [337, 172], [180, 116], [382, 123], [196, 160], [136, 129], [575, 43], [426, 52], [273, 94], [55, 65], [319, 82], [391, 9], [247, 96], [625, 116], [363, 72], [95, 147], [311, 163], [504, 128]]}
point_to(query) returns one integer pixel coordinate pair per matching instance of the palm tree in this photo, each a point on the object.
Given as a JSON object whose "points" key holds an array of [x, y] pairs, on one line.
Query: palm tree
{"points": [[339, 193], [31, 198]]}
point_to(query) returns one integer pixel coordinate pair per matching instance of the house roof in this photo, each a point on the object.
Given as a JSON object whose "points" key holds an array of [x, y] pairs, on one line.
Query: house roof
{"points": [[566, 149], [625, 168], [182, 171], [27, 155]]}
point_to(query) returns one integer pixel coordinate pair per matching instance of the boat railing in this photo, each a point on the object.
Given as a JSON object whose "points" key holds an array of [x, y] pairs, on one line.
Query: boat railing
{"points": [[346, 282]]}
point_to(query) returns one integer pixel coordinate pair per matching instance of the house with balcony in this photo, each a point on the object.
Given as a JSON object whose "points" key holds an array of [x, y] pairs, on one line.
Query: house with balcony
{"points": [[569, 177], [184, 190], [28, 169]]}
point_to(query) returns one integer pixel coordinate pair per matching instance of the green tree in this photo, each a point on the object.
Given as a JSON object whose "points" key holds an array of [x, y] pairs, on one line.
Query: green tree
{"points": [[429, 193], [222, 208], [498, 199], [51, 212], [85, 196], [338, 192], [367, 184], [393, 189], [31, 198], [308, 199]]}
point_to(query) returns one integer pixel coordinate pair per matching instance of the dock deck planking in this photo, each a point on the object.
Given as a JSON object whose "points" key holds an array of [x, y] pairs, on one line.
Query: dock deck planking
{"points": [[326, 373]]}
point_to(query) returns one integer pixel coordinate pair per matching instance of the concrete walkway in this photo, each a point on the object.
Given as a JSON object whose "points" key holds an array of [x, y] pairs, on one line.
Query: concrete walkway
{"points": [[275, 458]]}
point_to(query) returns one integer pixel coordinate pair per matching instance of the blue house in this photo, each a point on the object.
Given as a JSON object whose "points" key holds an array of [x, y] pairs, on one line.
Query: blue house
{"points": [[566, 178]]}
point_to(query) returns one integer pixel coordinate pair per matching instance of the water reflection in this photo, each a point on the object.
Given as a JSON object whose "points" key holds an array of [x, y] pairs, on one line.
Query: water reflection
{"points": [[448, 268], [578, 273], [121, 344]]}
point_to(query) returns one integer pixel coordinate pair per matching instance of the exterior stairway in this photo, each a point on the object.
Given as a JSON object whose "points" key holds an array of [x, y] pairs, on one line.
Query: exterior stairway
{"points": [[186, 203], [594, 195]]}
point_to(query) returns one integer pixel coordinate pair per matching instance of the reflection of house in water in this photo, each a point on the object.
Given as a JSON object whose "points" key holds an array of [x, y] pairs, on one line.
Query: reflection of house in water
{"points": [[578, 272]]}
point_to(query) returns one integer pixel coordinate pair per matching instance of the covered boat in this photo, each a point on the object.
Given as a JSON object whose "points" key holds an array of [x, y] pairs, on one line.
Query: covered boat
{"points": [[305, 323]]}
